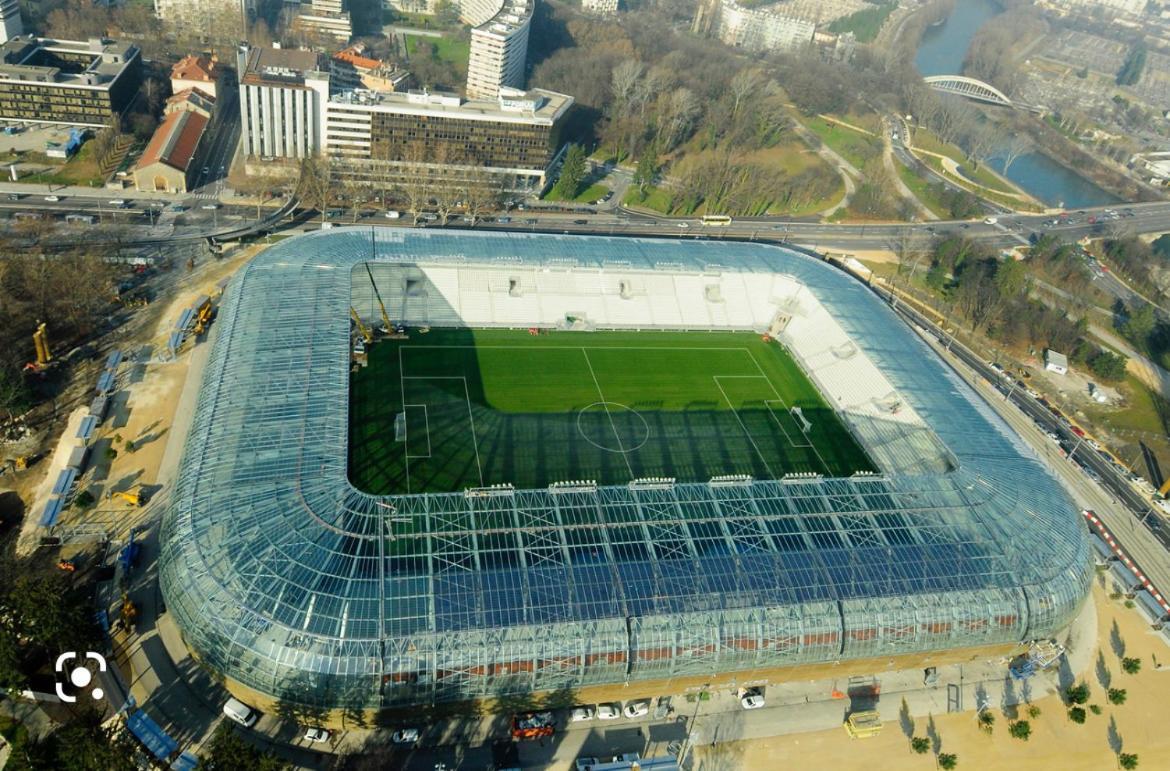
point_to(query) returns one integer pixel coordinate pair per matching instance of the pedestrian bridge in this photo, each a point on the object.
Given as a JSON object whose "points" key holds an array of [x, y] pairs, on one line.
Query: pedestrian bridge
{"points": [[968, 87]]}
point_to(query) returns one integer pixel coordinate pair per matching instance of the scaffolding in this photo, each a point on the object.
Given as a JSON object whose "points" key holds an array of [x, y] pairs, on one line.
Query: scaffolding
{"points": [[287, 579]]}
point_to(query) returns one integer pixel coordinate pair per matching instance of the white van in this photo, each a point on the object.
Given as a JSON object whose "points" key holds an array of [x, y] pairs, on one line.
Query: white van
{"points": [[392, 215], [118, 202], [240, 712]]}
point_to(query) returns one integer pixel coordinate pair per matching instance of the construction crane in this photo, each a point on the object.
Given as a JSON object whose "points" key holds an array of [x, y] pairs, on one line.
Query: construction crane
{"points": [[381, 305], [1165, 488], [362, 328]]}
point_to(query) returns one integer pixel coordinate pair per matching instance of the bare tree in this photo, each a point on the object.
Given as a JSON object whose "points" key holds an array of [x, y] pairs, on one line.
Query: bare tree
{"points": [[746, 84], [315, 183], [415, 179], [1012, 148], [482, 191], [678, 117], [624, 82]]}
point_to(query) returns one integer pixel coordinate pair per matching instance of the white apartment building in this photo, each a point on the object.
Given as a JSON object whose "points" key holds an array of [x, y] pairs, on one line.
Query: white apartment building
{"points": [[204, 14], [11, 24], [759, 29], [600, 7], [499, 50], [1111, 7], [327, 17], [282, 98]]}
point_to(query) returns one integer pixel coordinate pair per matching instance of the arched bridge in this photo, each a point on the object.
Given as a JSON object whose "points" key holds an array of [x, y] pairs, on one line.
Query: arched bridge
{"points": [[968, 87]]}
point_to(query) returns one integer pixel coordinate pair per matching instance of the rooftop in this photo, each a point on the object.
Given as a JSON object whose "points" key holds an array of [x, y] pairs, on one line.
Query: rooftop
{"points": [[96, 62], [283, 66], [175, 141], [533, 106], [193, 67]]}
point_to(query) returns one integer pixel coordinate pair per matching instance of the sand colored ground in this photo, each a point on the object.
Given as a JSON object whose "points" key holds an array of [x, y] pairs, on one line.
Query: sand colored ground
{"points": [[1137, 727]]}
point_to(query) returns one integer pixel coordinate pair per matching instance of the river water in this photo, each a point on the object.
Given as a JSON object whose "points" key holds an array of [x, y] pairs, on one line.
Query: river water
{"points": [[942, 51]]}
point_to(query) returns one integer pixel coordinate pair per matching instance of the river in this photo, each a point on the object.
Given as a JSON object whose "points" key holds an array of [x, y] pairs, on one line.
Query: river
{"points": [[942, 51]]}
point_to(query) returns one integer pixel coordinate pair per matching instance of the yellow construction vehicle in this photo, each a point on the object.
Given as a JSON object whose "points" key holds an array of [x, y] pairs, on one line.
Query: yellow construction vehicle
{"points": [[1165, 488], [135, 496], [387, 327], [129, 611], [44, 354], [361, 326], [204, 311], [863, 725]]}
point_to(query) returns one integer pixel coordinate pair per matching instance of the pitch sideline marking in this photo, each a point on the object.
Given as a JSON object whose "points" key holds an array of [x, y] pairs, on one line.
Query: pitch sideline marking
{"points": [[746, 433], [466, 400], [402, 391]]}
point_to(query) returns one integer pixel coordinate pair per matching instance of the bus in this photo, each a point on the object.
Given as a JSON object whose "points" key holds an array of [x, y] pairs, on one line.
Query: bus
{"points": [[716, 220]]}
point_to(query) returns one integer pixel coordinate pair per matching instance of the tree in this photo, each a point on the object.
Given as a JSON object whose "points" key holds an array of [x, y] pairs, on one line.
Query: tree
{"points": [[1077, 714], [228, 751], [1131, 666], [481, 193], [1108, 366], [1015, 145], [947, 761], [572, 173], [1127, 760], [14, 394], [1077, 694], [1020, 729], [315, 183], [1161, 246], [1116, 696], [1131, 68], [1140, 324], [987, 720], [920, 744]]}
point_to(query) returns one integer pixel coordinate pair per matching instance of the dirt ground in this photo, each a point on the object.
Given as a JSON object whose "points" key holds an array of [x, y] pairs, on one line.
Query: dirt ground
{"points": [[1136, 727], [141, 412]]}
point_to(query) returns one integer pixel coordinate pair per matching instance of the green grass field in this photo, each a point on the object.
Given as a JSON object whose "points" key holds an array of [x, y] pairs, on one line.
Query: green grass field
{"points": [[457, 408]]}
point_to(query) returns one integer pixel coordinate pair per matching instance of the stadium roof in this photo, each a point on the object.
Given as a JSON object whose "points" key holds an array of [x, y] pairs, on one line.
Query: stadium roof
{"points": [[287, 579]]}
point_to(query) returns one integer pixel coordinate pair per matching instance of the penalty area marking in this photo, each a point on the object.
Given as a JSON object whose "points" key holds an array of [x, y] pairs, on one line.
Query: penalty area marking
{"points": [[406, 430]]}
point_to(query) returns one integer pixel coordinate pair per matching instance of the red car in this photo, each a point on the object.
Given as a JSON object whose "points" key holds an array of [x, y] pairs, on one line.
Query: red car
{"points": [[1077, 430]]}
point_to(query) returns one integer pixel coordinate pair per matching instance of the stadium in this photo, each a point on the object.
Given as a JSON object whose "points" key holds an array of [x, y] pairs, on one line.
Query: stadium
{"points": [[581, 461]]}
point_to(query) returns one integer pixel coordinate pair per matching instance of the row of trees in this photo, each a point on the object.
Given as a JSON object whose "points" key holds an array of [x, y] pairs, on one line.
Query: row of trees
{"points": [[992, 296]]}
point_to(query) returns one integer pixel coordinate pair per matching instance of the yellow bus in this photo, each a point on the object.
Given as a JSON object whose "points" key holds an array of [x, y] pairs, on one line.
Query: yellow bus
{"points": [[717, 220]]}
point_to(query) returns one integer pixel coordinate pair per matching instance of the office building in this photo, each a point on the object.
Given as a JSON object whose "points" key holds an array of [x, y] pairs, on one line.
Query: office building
{"points": [[205, 14], [11, 24], [76, 83], [282, 93], [499, 48], [512, 140]]}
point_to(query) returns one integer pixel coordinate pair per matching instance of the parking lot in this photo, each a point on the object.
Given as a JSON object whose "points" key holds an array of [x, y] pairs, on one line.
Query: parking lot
{"points": [[31, 137]]}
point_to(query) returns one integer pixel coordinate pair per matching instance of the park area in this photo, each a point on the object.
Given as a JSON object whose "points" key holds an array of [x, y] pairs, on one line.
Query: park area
{"points": [[456, 408]]}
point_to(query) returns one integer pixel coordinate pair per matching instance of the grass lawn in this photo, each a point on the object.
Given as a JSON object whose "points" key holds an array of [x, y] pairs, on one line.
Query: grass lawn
{"points": [[982, 176], [1145, 412], [852, 146], [457, 408], [923, 191], [588, 195], [81, 169], [448, 49]]}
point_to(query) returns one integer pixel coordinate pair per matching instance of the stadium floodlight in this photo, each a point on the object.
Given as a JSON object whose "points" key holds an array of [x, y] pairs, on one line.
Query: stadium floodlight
{"points": [[652, 483], [578, 486], [503, 490]]}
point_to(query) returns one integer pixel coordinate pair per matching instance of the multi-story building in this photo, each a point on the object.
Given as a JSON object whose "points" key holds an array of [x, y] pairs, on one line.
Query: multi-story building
{"points": [[282, 94], [77, 83], [499, 46], [600, 7], [512, 140], [1107, 8], [326, 17], [349, 69], [201, 72], [205, 14], [10, 21], [761, 29]]}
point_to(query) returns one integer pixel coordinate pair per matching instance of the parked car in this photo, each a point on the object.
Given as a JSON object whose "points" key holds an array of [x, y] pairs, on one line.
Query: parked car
{"points": [[637, 708], [582, 714], [408, 736], [753, 698], [317, 735], [580, 222], [609, 711], [240, 712], [53, 198], [587, 764]]}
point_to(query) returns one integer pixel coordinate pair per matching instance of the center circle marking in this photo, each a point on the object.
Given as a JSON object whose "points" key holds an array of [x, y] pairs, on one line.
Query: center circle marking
{"points": [[634, 434]]}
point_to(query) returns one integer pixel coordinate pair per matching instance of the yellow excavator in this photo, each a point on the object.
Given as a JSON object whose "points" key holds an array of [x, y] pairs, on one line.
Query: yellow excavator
{"points": [[135, 496], [44, 354], [204, 311], [361, 326]]}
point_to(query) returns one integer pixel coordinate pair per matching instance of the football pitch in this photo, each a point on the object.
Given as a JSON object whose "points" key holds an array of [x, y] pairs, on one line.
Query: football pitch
{"points": [[453, 409]]}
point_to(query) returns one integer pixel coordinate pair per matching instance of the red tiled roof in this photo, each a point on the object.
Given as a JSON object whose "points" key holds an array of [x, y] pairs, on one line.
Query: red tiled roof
{"points": [[195, 94], [195, 68], [349, 55], [175, 141]]}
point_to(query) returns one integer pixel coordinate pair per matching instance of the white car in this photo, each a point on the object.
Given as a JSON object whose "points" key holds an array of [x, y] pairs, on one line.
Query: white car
{"points": [[637, 708], [684, 224], [317, 735], [990, 220], [752, 700], [581, 714], [406, 736], [53, 198], [610, 711]]}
